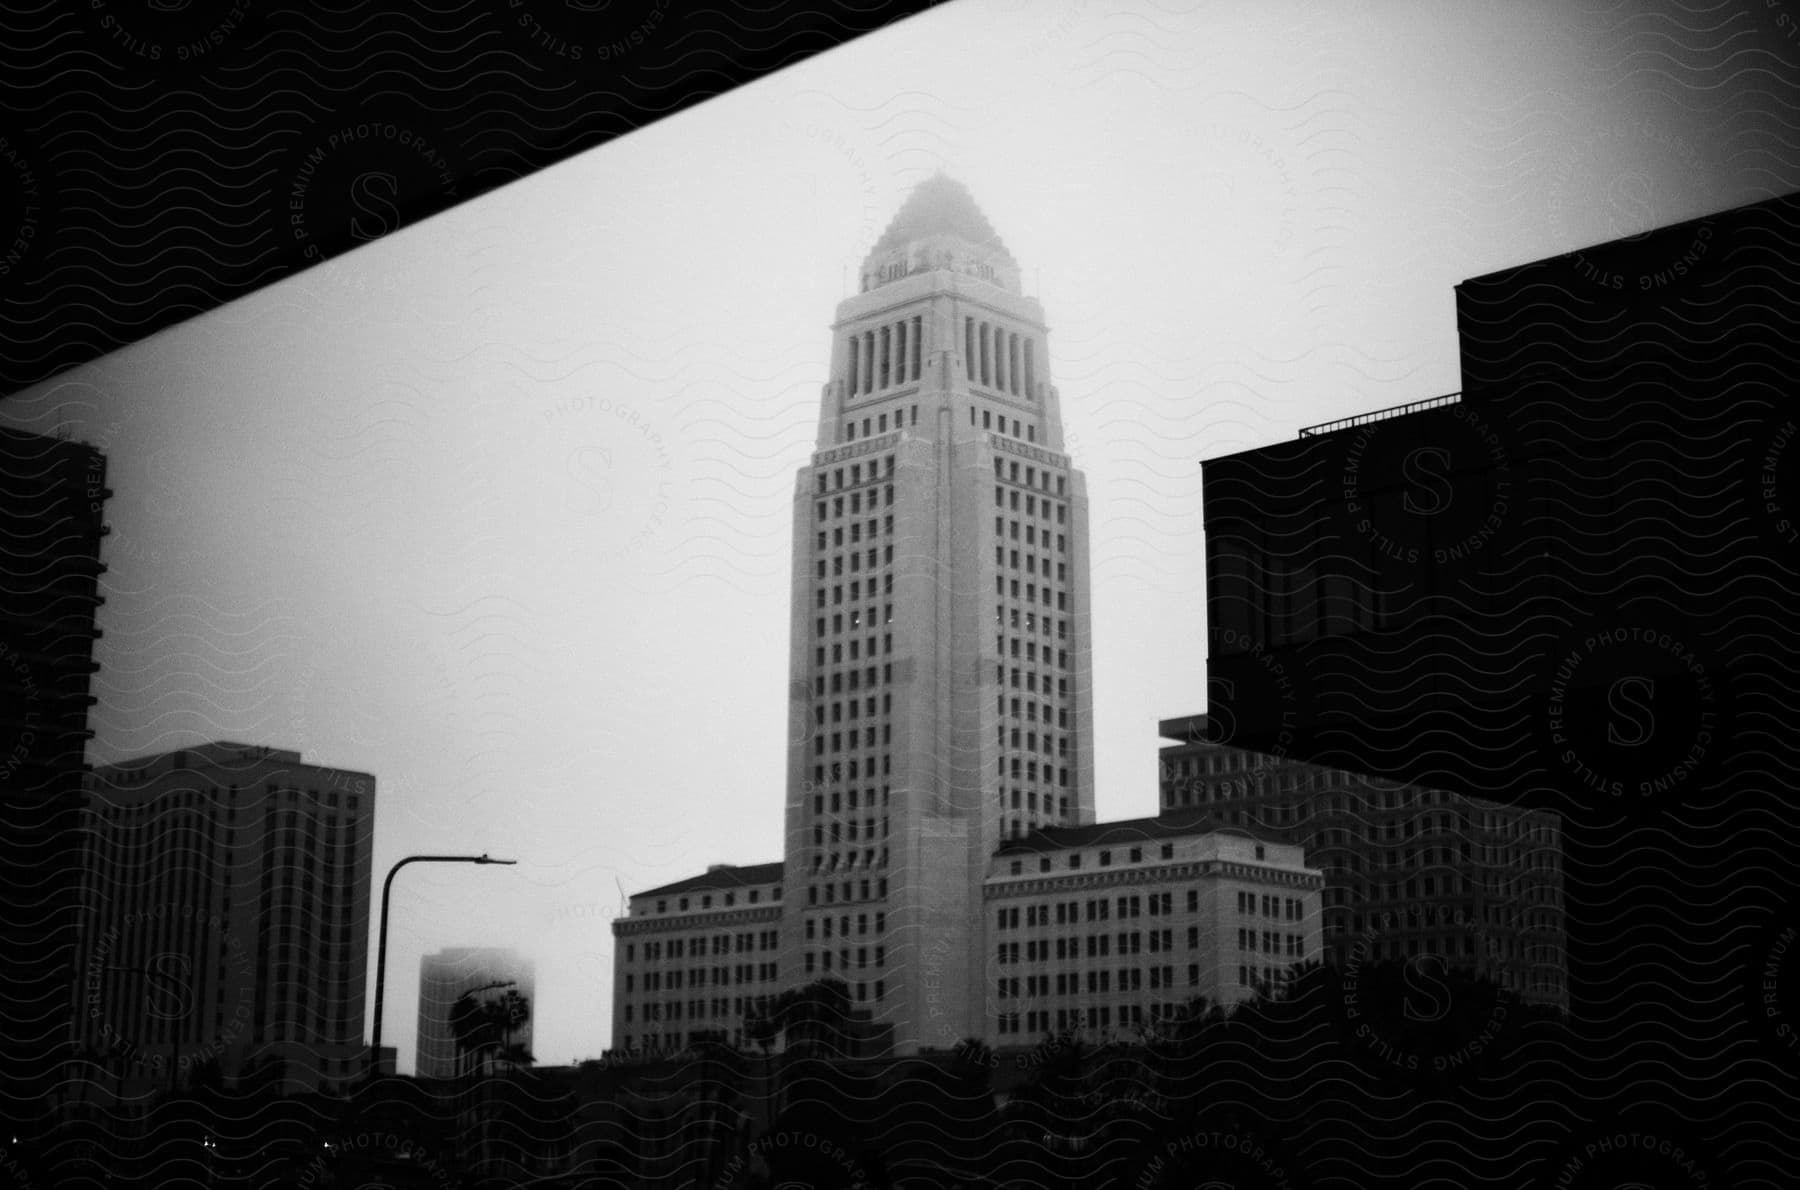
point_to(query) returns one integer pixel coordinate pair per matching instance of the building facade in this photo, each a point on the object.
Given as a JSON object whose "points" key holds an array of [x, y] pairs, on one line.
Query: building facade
{"points": [[226, 911], [1408, 871], [485, 974], [689, 956], [939, 684], [52, 496], [1105, 929], [940, 714]]}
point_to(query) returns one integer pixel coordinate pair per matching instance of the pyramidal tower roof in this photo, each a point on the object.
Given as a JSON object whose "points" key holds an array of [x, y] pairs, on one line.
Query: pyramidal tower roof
{"points": [[940, 205]]}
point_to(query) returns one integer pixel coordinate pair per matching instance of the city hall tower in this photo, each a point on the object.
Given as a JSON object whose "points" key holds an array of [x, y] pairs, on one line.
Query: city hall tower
{"points": [[940, 669]]}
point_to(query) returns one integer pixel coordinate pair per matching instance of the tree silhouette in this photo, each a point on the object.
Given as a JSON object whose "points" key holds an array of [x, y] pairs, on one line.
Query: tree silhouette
{"points": [[484, 1029]]}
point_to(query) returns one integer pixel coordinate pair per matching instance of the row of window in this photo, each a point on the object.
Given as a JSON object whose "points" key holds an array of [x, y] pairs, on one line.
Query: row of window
{"points": [[878, 359], [834, 539], [849, 741], [852, 891], [1098, 946], [1039, 479], [1029, 680], [819, 962], [839, 770], [1272, 942], [988, 422], [845, 832], [1285, 908], [848, 432], [1327, 785], [1130, 979], [1130, 1016], [855, 620], [674, 1010], [835, 508], [1135, 855], [822, 926], [853, 709], [849, 861], [841, 802], [1249, 976], [1009, 559], [1028, 741], [1031, 590], [698, 977], [1017, 769], [714, 944], [853, 476], [1028, 651], [1000, 358], [705, 900], [855, 679], [874, 559], [857, 652]]}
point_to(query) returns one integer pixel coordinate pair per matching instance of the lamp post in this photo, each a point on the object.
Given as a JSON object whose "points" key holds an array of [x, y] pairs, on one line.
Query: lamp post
{"points": [[387, 886]]}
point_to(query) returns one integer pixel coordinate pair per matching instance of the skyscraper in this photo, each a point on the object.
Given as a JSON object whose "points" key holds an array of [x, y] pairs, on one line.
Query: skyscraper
{"points": [[939, 691], [226, 900], [52, 493], [484, 974], [940, 837]]}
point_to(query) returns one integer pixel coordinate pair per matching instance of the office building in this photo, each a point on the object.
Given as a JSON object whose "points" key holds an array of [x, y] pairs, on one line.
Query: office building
{"points": [[1408, 871], [52, 495], [226, 905], [483, 974], [940, 710], [690, 955]]}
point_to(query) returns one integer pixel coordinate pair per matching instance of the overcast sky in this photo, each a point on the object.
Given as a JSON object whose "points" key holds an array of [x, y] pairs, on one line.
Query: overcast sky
{"points": [[498, 507]]}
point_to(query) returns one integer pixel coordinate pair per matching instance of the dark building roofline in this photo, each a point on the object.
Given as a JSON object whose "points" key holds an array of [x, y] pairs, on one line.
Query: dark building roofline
{"points": [[221, 754], [726, 876], [1787, 204], [1131, 830]]}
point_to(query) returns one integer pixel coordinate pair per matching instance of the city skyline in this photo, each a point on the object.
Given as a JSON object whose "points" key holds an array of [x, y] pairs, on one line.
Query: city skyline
{"points": [[638, 383]]}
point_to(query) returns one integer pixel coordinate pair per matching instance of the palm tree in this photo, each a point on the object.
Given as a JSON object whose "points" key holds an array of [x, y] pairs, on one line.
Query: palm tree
{"points": [[470, 1027], [510, 1013]]}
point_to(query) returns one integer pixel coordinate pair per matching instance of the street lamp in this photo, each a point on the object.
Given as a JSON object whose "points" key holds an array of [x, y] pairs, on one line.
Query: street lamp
{"points": [[387, 886]]}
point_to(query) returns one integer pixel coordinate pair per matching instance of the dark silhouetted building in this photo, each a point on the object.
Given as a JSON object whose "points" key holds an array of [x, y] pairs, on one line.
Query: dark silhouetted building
{"points": [[1573, 586], [52, 493], [227, 917]]}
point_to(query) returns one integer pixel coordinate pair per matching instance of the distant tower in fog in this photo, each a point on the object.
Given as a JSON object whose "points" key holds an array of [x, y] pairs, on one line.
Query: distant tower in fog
{"points": [[444, 978], [940, 666]]}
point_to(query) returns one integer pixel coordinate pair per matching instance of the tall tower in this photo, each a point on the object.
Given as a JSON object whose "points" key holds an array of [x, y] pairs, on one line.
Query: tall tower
{"points": [[940, 693]]}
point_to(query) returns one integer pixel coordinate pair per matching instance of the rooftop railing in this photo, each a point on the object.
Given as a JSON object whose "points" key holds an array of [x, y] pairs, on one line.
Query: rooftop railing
{"points": [[1382, 414]]}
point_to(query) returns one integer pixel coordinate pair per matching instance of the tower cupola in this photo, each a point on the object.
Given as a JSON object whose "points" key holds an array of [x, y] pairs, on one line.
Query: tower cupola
{"points": [[940, 227]]}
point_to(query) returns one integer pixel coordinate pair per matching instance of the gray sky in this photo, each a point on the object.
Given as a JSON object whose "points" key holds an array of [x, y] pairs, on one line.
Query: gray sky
{"points": [[498, 507]]}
